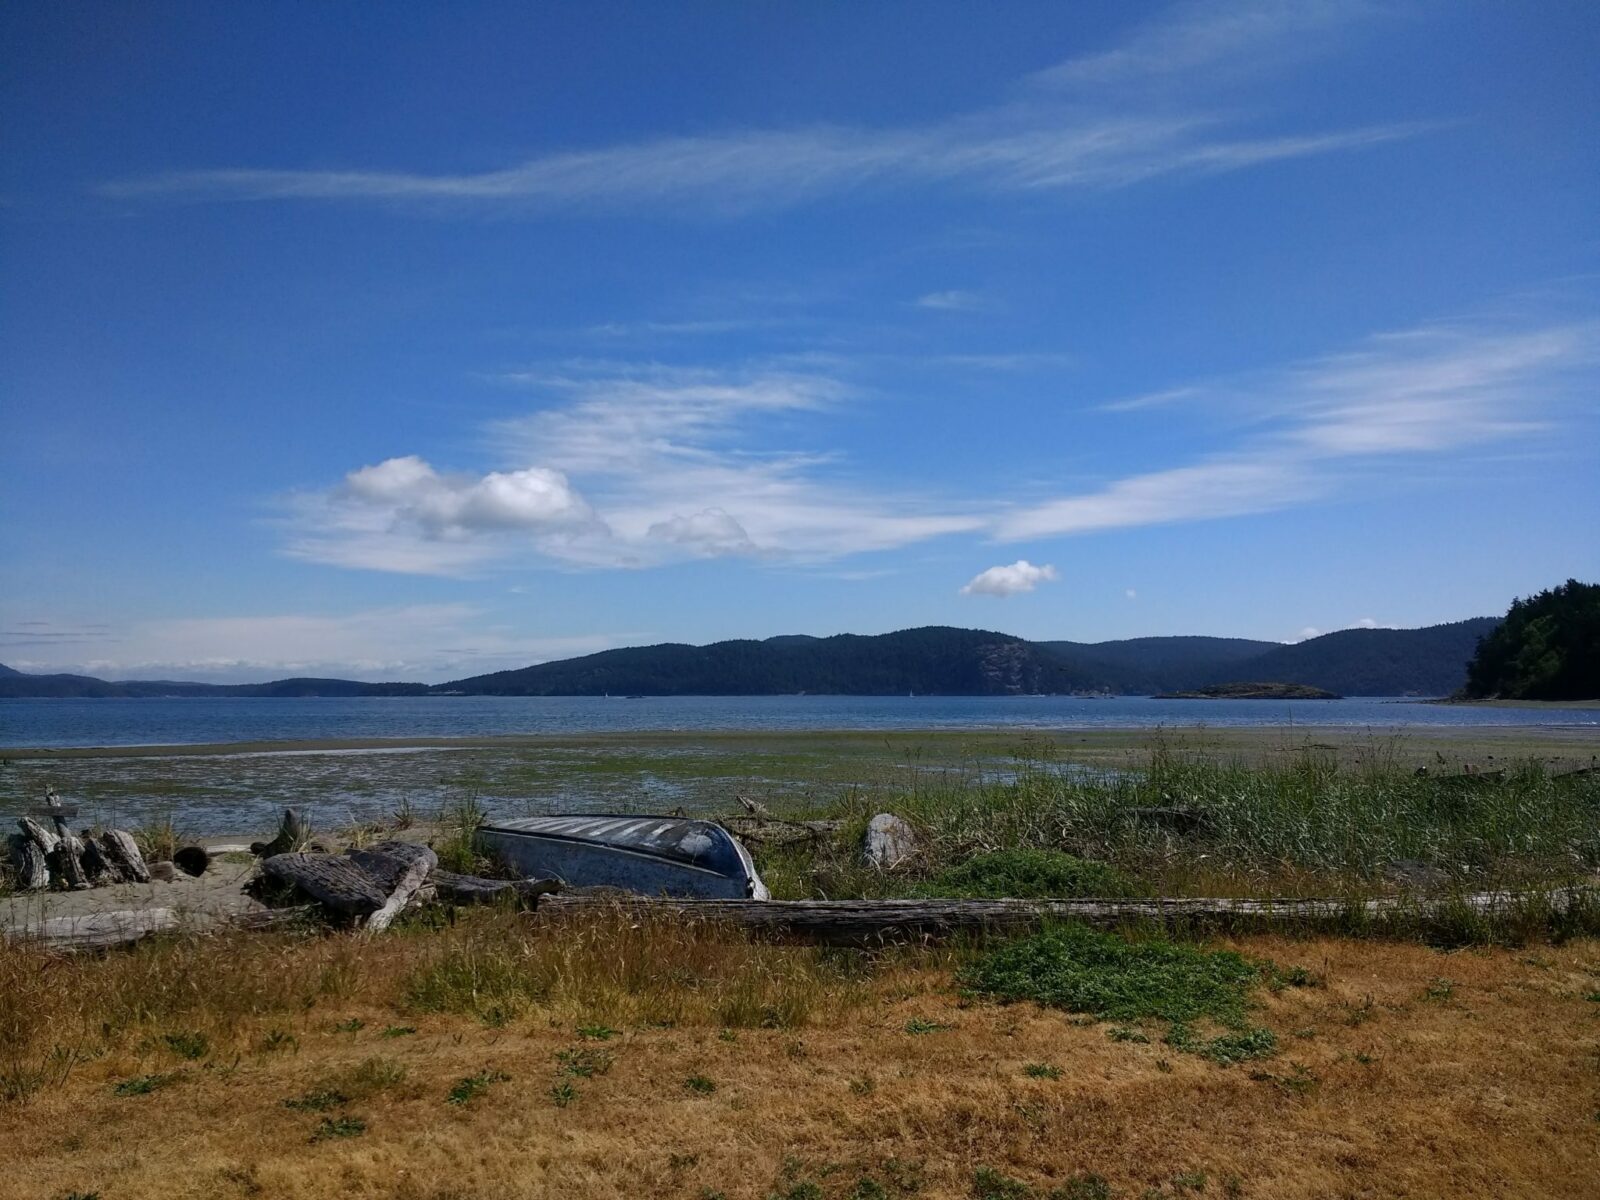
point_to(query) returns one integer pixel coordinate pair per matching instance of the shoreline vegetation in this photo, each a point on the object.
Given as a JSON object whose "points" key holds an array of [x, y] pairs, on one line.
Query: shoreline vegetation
{"points": [[509, 1053]]}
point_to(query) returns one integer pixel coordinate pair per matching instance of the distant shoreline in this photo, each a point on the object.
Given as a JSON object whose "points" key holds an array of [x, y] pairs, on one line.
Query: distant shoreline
{"points": [[1534, 704], [1236, 737]]}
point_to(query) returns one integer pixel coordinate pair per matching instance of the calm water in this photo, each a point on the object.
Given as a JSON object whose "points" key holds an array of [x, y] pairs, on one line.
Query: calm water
{"points": [[60, 723]]}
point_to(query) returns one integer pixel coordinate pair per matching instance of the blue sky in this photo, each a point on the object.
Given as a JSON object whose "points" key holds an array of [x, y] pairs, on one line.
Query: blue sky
{"points": [[414, 341]]}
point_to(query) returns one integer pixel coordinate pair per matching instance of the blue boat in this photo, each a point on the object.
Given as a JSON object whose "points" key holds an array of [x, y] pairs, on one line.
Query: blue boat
{"points": [[655, 856]]}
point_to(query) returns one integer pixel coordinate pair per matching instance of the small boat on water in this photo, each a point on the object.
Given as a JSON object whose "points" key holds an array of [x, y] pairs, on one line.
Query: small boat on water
{"points": [[655, 856]]}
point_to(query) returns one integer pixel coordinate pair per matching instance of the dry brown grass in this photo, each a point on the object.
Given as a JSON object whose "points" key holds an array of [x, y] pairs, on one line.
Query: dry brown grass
{"points": [[1390, 1081]]}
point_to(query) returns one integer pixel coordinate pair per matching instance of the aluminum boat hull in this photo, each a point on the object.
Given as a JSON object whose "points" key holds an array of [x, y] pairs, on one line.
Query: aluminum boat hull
{"points": [[654, 856]]}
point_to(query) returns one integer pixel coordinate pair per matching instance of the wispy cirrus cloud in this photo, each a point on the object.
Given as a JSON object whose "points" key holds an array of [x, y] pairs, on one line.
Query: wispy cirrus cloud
{"points": [[1099, 136], [1416, 393], [622, 467]]}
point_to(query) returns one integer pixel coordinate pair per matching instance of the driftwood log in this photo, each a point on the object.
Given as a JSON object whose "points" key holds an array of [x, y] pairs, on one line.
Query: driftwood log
{"points": [[387, 862], [102, 931], [119, 847], [857, 921], [67, 862], [774, 831], [333, 881], [475, 889], [405, 887], [33, 871], [100, 869], [46, 839]]}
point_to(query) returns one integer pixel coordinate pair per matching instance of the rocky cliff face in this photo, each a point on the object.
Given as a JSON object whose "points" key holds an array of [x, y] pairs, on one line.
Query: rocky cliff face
{"points": [[1015, 668]]}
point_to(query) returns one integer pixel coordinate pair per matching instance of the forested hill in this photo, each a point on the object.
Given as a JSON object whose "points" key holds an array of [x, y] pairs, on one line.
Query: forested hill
{"points": [[936, 660], [965, 662], [15, 684], [1374, 662], [933, 660]]}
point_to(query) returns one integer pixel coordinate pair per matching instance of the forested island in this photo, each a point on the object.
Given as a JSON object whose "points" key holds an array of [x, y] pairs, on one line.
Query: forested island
{"points": [[1253, 691]]}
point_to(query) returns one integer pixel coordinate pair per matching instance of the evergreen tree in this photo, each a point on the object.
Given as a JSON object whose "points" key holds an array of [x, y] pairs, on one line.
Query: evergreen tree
{"points": [[1547, 648]]}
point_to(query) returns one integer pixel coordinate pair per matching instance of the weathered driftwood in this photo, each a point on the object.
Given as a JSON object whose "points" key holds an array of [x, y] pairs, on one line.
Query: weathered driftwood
{"points": [[853, 921], [120, 848], [405, 887], [774, 831], [33, 872], [66, 863], [102, 931], [47, 840], [294, 834], [100, 869], [475, 889], [332, 880], [387, 862]]}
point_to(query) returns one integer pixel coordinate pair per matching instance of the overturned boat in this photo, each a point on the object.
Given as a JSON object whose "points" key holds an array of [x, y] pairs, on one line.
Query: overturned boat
{"points": [[655, 856]]}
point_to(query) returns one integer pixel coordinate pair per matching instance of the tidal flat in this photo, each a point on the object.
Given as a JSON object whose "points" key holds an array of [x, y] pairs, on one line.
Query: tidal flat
{"points": [[241, 787]]}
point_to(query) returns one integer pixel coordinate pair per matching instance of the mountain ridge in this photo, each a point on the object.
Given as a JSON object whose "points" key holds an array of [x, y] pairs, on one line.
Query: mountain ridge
{"points": [[932, 660]]}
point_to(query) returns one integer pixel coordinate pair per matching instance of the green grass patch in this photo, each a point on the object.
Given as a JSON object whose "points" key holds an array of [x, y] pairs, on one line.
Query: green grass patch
{"points": [[1078, 969], [320, 1100], [143, 1085], [331, 1128], [1026, 874], [470, 1087]]}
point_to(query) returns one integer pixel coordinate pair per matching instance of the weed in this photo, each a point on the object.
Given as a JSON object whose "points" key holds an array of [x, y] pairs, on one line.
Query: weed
{"points": [[323, 1100], [727, 1035], [1121, 1033], [1439, 988], [457, 845], [1225, 1049], [1042, 1071], [989, 1184], [562, 1094], [583, 1064], [159, 838], [700, 1085], [917, 1026], [1299, 1082], [404, 815], [862, 1087], [597, 1033], [1082, 1187], [330, 1128], [397, 1031], [349, 1025], [276, 1039], [188, 1044], [143, 1085], [1190, 1181], [375, 1074], [470, 1087], [867, 1188]]}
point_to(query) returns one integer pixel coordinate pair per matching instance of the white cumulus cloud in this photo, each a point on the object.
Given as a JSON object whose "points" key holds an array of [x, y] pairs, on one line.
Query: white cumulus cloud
{"points": [[1020, 576]]}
